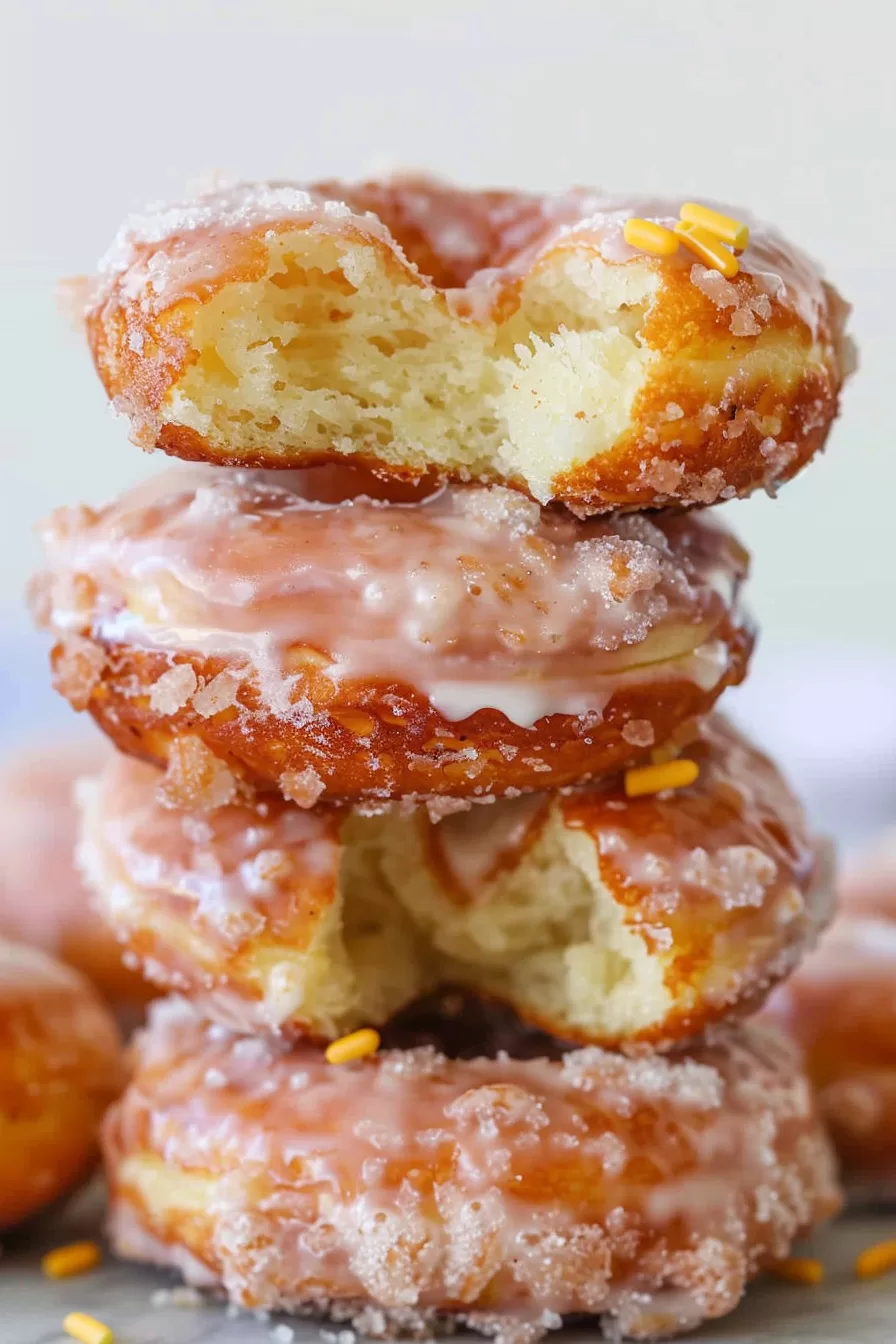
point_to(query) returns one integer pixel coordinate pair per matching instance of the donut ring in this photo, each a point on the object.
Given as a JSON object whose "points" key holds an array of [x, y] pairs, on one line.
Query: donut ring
{"points": [[841, 1007], [60, 1067], [597, 918], [493, 336], [468, 645], [43, 902], [498, 1192]]}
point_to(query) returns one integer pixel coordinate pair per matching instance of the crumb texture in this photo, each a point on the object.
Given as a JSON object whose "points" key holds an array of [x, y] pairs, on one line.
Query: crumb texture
{"points": [[596, 917], [489, 336]]}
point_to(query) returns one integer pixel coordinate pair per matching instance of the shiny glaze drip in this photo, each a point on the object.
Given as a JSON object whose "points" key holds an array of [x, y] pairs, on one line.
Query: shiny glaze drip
{"points": [[735, 837], [233, 872], [474, 596]]}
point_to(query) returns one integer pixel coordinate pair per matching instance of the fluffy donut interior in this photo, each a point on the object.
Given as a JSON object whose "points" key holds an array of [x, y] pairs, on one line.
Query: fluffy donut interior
{"points": [[335, 349], [545, 934]]}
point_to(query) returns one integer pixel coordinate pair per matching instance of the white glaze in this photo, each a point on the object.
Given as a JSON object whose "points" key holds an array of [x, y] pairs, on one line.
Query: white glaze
{"points": [[475, 597], [412, 1182]]}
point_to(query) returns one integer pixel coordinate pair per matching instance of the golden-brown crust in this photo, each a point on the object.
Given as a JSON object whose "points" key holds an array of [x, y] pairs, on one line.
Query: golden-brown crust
{"points": [[685, 461], [60, 1067], [421, 1185], [376, 740], [43, 901], [743, 392], [642, 472]]}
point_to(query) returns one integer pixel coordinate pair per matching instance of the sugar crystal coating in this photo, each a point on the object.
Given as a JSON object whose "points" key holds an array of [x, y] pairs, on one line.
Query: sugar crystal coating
{"points": [[423, 1185]]}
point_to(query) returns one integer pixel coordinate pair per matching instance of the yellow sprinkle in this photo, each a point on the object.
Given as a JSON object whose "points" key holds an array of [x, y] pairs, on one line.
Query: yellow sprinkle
{"points": [[876, 1259], [654, 778], [799, 1269], [87, 1329], [650, 237], [708, 248], [729, 230], [354, 1046], [76, 1258]]}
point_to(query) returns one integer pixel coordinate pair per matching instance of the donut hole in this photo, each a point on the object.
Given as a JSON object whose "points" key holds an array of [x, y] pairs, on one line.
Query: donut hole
{"points": [[338, 348]]}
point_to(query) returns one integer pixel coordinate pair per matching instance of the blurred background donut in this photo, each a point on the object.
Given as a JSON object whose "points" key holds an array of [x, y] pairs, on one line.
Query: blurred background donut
{"points": [[840, 1005], [43, 901], [60, 1067]]}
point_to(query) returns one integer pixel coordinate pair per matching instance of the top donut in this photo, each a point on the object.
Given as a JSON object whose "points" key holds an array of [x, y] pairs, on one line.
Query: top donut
{"points": [[477, 335]]}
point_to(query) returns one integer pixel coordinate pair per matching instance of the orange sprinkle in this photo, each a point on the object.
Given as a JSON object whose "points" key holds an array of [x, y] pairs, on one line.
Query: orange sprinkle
{"points": [[87, 1329], [707, 247], [877, 1259], [654, 778], [76, 1258], [799, 1269], [729, 230], [354, 1046], [650, 237]]}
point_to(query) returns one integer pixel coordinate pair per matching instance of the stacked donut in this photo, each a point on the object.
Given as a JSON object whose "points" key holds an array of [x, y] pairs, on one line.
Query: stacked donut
{"points": [[420, 808]]}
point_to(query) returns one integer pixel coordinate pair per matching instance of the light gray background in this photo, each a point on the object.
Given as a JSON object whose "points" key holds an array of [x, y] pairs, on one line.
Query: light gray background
{"points": [[786, 106]]}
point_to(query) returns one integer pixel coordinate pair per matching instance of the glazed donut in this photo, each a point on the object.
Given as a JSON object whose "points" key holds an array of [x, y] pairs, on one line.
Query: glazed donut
{"points": [[468, 645], [492, 336], [502, 1193], [598, 918], [43, 901], [841, 1007], [60, 1067]]}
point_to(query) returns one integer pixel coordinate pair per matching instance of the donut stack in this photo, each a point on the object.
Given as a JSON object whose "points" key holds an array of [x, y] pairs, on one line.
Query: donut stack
{"points": [[420, 808]]}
